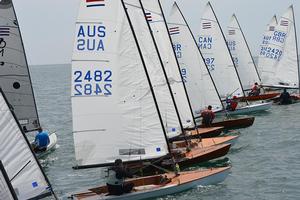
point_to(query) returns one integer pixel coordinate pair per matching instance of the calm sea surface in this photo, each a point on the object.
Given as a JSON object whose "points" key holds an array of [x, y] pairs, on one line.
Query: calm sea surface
{"points": [[265, 161]]}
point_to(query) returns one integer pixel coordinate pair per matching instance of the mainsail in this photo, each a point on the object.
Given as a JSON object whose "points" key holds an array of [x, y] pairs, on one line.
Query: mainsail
{"points": [[23, 169], [212, 44], [114, 110], [278, 59], [155, 68], [156, 19], [200, 87], [14, 73], [6, 190], [241, 54]]}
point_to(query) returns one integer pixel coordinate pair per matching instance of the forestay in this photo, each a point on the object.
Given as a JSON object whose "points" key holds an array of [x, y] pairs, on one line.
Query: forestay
{"points": [[14, 73], [114, 113], [23, 169], [155, 17], [154, 67], [278, 59], [241, 54], [200, 86], [6, 190], [212, 44]]}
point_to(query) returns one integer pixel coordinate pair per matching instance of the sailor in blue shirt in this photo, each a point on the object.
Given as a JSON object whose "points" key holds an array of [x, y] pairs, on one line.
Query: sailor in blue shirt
{"points": [[41, 141]]}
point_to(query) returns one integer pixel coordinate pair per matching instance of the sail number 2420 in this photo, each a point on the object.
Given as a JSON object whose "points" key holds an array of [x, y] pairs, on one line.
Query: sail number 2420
{"points": [[92, 82]]}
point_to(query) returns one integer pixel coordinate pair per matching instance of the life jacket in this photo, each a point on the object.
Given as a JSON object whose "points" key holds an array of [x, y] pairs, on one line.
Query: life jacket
{"points": [[112, 178]]}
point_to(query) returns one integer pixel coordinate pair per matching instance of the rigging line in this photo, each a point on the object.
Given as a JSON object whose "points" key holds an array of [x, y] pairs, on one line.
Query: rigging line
{"points": [[20, 170]]}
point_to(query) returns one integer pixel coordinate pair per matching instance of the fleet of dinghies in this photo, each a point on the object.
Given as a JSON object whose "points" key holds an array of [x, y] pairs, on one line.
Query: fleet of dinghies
{"points": [[139, 86]]}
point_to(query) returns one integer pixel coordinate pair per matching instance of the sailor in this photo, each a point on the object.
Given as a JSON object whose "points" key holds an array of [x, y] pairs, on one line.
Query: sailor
{"points": [[285, 98], [116, 177], [232, 103], [255, 90], [207, 116], [41, 141]]}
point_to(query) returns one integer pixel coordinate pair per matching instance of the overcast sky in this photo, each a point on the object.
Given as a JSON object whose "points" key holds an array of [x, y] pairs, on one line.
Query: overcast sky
{"points": [[48, 26]]}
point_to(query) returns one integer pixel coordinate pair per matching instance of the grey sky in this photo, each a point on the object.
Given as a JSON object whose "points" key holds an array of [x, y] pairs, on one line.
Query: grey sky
{"points": [[48, 25]]}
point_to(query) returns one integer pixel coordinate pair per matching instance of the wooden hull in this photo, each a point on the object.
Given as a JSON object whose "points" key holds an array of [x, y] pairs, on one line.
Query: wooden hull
{"points": [[208, 142], [150, 187], [260, 97], [200, 133], [199, 155], [234, 123]]}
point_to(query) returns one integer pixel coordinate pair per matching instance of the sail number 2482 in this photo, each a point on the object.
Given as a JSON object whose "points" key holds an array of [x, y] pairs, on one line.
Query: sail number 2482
{"points": [[92, 82]]}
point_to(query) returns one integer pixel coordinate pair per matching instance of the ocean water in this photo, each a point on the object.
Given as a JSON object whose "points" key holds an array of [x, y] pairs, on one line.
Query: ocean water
{"points": [[265, 161]]}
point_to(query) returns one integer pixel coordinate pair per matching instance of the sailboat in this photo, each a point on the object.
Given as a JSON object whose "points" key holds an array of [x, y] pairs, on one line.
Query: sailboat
{"points": [[127, 123], [243, 60], [15, 78], [156, 20], [221, 66], [159, 30], [278, 62], [6, 190], [22, 167]]}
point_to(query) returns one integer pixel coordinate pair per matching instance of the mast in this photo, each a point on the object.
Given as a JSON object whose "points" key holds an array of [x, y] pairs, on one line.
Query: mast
{"points": [[31, 150], [200, 54], [188, 99], [163, 69], [38, 121], [147, 75], [247, 47], [296, 48], [227, 49]]}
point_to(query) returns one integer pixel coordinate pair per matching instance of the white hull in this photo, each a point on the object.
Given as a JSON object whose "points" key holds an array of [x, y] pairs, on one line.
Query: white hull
{"points": [[170, 189], [51, 146], [249, 109]]}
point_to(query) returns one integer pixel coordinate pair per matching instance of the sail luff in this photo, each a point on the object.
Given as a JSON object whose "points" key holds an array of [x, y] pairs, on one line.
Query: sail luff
{"points": [[248, 47], [163, 69], [147, 75]]}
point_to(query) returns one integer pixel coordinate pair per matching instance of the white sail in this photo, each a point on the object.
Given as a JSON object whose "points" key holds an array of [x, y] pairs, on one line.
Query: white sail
{"points": [[212, 44], [114, 114], [23, 170], [155, 17], [200, 87], [278, 59], [6, 190], [14, 73], [154, 67], [241, 54]]}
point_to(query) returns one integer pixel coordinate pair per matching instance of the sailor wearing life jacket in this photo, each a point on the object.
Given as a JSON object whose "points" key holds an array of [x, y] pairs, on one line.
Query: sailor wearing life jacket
{"points": [[207, 116], [255, 90], [116, 179]]}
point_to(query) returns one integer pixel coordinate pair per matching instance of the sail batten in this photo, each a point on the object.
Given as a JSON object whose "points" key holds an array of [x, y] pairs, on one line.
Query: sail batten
{"points": [[13, 61], [119, 117]]}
